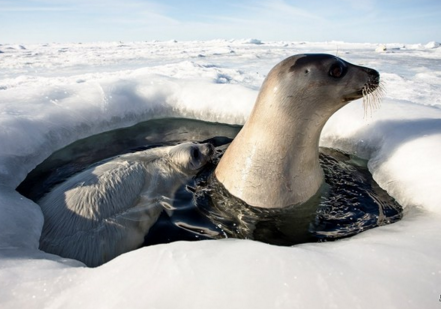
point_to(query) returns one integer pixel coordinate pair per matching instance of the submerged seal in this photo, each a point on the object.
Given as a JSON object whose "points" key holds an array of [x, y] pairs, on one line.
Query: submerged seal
{"points": [[274, 160], [107, 210]]}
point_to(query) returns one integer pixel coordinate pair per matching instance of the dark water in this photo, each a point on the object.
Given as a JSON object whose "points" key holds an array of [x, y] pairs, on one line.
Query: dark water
{"points": [[349, 203]]}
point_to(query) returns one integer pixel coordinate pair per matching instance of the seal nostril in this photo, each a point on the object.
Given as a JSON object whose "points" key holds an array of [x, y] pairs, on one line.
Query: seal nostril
{"points": [[374, 77], [373, 74], [210, 149]]}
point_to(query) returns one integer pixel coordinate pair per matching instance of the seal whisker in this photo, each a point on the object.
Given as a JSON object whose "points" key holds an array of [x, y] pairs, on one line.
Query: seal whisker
{"points": [[372, 96]]}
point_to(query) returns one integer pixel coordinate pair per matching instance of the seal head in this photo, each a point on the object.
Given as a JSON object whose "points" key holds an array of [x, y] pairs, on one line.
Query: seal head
{"points": [[273, 162]]}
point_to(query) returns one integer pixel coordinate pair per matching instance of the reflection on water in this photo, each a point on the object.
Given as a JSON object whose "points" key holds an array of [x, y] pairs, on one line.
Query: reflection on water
{"points": [[349, 203]]}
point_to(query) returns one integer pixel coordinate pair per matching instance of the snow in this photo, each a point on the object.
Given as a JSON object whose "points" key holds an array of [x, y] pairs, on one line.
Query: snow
{"points": [[54, 94], [432, 44], [381, 48]]}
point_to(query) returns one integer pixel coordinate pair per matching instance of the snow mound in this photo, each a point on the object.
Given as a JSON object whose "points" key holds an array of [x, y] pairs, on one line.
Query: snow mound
{"points": [[432, 45], [253, 41], [381, 48]]}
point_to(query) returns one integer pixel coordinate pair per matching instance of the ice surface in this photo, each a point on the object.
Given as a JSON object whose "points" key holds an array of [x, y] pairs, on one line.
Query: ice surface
{"points": [[54, 94]]}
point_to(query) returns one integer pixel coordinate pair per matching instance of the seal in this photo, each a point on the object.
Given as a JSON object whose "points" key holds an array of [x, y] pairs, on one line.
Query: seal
{"points": [[274, 160], [107, 210]]}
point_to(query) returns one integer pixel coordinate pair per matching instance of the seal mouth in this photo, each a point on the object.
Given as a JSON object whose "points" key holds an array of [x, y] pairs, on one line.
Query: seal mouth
{"points": [[366, 90], [372, 93]]}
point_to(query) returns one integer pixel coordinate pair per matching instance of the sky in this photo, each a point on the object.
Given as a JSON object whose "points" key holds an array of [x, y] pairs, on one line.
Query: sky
{"points": [[373, 21]]}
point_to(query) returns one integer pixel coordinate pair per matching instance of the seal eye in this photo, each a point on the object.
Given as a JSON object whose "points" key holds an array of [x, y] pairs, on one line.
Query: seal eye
{"points": [[337, 70], [195, 153]]}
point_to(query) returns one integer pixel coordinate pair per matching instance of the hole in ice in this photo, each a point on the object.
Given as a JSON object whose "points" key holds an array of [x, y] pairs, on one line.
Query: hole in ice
{"points": [[350, 202]]}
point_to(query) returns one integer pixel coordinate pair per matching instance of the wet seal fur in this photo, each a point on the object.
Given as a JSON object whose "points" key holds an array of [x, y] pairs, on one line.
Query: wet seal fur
{"points": [[274, 160], [107, 210]]}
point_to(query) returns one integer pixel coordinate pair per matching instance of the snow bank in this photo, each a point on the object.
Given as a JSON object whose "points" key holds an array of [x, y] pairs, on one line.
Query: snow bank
{"points": [[57, 113], [402, 141]]}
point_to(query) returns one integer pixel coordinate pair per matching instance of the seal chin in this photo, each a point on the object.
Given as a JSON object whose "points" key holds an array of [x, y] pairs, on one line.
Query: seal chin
{"points": [[353, 96]]}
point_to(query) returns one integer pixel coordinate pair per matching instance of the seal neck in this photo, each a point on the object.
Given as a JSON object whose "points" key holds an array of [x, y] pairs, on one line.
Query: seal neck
{"points": [[273, 162]]}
